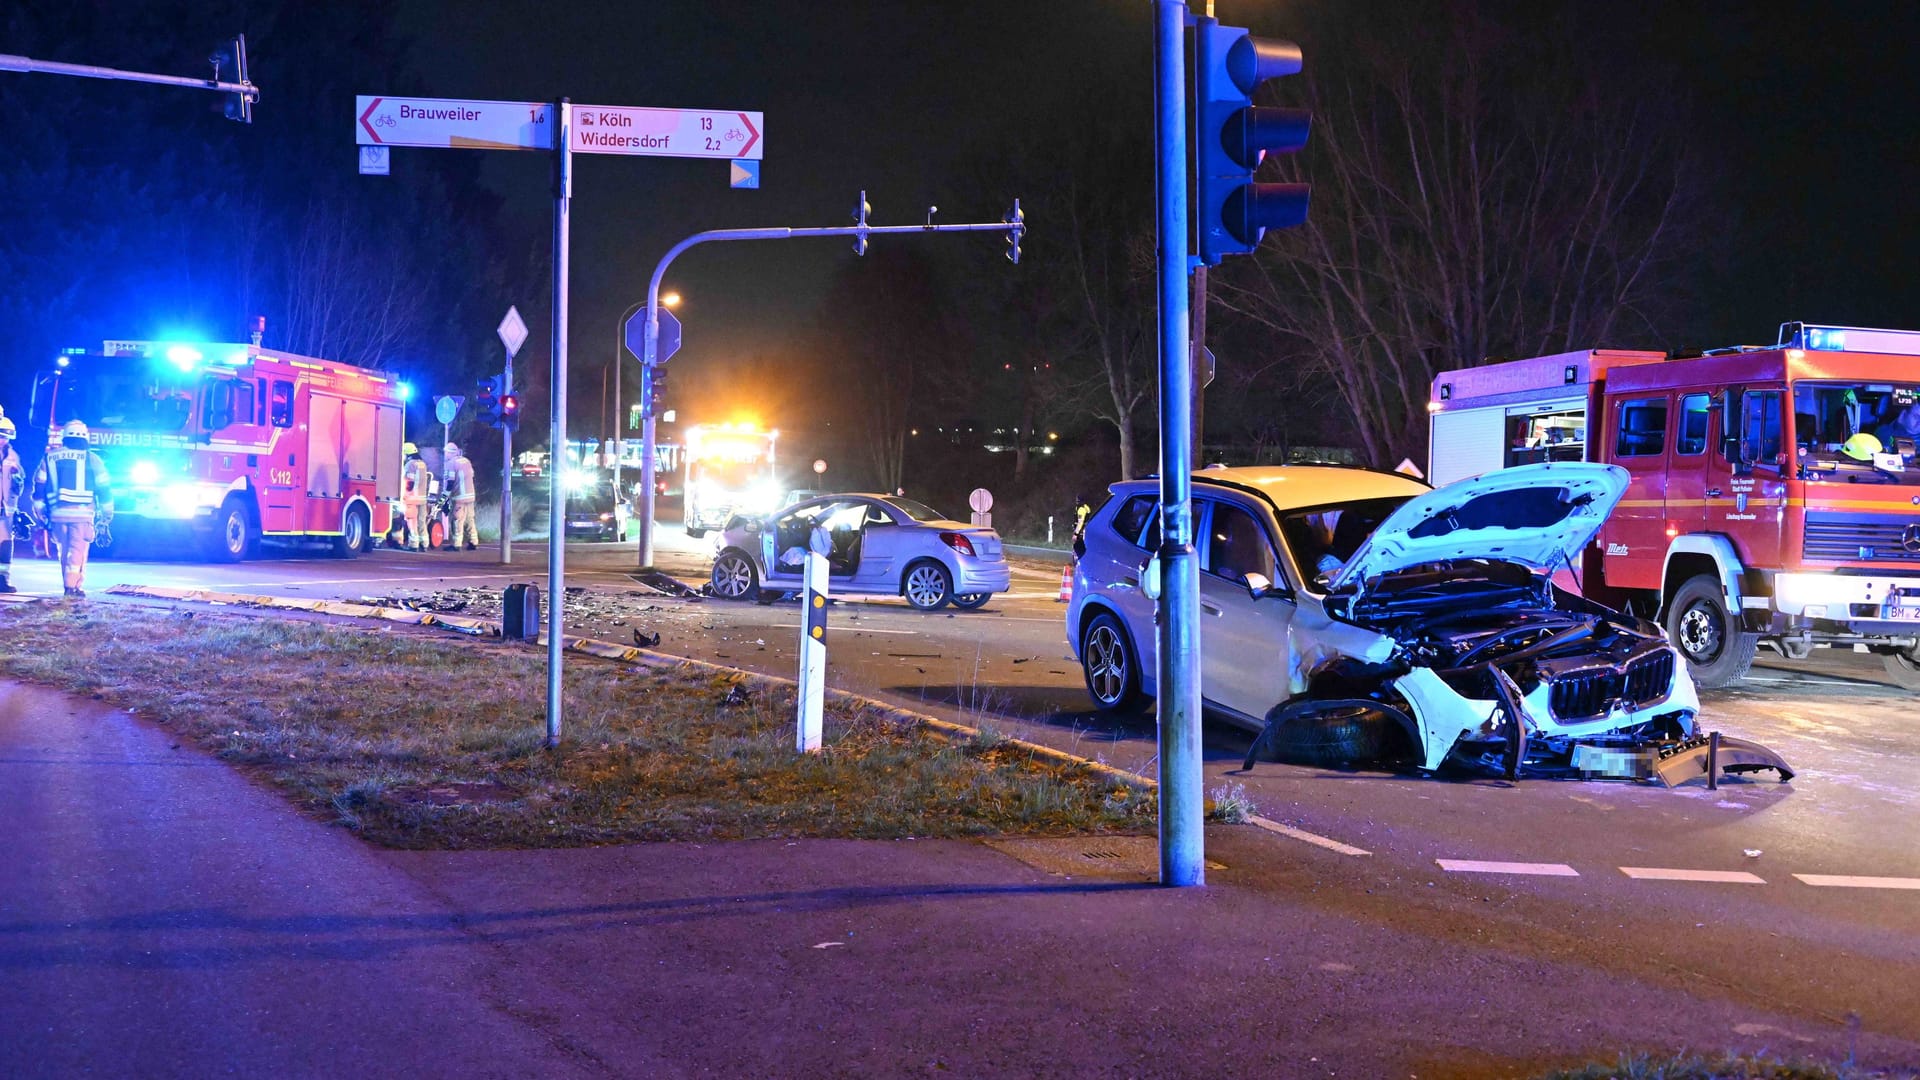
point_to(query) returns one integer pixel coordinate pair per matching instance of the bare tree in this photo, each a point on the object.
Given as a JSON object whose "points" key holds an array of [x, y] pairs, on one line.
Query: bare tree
{"points": [[1107, 262], [345, 299], [1468, 205]]}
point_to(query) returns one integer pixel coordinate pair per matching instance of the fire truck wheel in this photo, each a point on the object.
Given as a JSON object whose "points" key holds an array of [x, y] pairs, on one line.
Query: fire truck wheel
{"points": [[353, 534], [1904, 668], [232, 533], [1718, 652]]}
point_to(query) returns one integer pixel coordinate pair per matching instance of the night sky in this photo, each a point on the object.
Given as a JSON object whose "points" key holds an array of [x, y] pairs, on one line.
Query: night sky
{"points": [[1804, 110]]}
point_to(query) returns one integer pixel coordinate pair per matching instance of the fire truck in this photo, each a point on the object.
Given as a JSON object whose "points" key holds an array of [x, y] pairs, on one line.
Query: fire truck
{"points": [[729, 470], [1756, 513], [213, 446]]}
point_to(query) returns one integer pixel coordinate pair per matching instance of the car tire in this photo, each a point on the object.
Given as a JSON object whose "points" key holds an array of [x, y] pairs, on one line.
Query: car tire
{"points": [[1343, 735], [735, 577], [233, 533], [927, 586], [353, 534], [971, 601], [1717, 651], [1111, 666], [1903, 668]]}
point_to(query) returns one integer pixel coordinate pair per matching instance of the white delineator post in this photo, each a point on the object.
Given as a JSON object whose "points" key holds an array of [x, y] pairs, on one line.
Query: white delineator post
{"points": [[813, 645]]}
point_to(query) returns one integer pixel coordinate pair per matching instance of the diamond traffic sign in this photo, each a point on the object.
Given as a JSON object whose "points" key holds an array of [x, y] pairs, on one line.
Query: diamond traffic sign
{"points": [[743, 173], [636, 335], [450, 122], [697, 133], [512, 331]]}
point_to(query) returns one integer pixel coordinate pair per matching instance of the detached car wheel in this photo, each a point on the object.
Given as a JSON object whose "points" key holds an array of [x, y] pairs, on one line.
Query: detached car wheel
{"points": [[926, 586], [1339, 735], [1717, 650], [1904, 669], [1112, 671], [734, 577]]}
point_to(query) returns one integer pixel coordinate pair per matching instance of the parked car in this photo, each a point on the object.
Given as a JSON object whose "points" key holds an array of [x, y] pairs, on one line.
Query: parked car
{"points": [[881, 545], [1353, 615]]}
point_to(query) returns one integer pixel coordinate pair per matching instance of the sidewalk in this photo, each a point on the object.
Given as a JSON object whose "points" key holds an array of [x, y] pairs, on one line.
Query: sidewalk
{"points": [[160, 914]]}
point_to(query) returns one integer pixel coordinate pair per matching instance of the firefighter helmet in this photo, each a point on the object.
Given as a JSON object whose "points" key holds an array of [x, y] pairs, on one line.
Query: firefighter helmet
{"points": [[74, 430], [1861, 447], [409, 449], [453, 450], [6, 431]]}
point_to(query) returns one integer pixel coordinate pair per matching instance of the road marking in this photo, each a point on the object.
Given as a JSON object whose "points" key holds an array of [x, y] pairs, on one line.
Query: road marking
{"points": [[1538, 869], [1312, 838], [422, 581], [844, 629], [1727, 877], [1843, 881], [1049, 595]]}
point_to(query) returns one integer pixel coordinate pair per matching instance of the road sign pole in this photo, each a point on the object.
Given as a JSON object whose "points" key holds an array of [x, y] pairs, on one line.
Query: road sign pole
{"points": [[557, 498], [506, 474], [1182, 795]]}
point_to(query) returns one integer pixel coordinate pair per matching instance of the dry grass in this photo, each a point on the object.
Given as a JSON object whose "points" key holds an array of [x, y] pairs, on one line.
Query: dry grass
{"points": [[1731, 1067], [424, 743]]}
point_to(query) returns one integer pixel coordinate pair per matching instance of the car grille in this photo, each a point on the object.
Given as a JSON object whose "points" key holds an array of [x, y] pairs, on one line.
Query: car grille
{"points": [[1590, 692], [1846, 538]]}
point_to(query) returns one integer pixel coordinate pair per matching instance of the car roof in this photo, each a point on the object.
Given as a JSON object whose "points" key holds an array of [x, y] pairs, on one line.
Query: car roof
{"points": [[1290, 487]]}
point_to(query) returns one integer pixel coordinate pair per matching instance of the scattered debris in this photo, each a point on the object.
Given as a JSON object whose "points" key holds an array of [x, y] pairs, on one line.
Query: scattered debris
{"points": [[646, 641], [736, 695], [1752, 852]]}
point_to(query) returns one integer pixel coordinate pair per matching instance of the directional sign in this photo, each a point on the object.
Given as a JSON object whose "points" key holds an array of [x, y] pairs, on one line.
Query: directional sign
{"points": [[512, 331], [636, 335], [698, 133], [743, 173], [449, 122]]}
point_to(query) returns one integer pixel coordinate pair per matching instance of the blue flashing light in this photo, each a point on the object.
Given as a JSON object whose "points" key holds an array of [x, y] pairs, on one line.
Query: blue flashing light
{"points": [[1823, 338], [405, 390], [237, 356], [183, 356], [60, 361]]}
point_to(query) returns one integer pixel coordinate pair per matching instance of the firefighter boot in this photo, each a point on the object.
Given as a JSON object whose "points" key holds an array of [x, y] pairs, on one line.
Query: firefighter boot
{"points": [[6, 585]]}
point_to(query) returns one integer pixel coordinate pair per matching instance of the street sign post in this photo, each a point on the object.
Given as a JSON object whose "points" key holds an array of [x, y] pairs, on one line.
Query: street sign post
{"points": [[513, 334]]}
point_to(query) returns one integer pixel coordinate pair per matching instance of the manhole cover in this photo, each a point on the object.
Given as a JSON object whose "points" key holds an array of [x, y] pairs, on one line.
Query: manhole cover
{"points": [[1126, 858]]}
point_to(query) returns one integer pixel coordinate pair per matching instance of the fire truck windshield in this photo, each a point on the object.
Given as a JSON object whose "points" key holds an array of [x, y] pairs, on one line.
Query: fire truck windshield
{"points": [[731, 475], [1828, 414], [116, 395]]}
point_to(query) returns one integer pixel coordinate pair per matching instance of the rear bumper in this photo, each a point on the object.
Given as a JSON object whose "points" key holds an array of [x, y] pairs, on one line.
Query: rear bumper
{"points": [[983, 578]]}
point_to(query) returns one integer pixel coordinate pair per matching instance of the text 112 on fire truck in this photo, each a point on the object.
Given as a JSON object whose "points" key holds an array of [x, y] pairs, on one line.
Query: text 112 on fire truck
{"points": [[1774, 494]]}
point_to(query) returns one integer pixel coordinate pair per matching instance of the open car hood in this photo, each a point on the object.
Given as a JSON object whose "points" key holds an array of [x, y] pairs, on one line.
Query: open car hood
{"points": [[1538, 516]]}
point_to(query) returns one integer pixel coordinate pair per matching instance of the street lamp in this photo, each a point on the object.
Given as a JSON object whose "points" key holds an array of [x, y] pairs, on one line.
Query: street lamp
{"points": [[671, 300]]}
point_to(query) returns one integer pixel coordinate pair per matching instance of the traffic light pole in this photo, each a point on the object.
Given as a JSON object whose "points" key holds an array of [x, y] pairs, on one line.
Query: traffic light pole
{"points": [[1182, 796], [243, 90], [557, 499], [506, 473], [1014, 226]]}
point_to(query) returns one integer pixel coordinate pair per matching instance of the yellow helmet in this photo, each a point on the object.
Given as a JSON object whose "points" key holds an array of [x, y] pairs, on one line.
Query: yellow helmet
{"points": [[408, 450], [1861, 447], [6, 427]]}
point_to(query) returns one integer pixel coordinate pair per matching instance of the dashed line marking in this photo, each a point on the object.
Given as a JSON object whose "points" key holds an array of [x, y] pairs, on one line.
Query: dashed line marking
{"points": [[1312, 838], [1477, 866], [1661, 873], [1844, 881]]}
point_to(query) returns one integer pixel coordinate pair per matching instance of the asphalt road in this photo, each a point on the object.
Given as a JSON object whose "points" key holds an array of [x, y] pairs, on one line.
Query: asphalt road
{"points": [[1804, 894]]}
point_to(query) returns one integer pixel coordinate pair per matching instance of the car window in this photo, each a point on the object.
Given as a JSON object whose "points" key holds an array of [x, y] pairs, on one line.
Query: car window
{"points": [[1693, 425], [915, 510], [877, 516], [1643, 428], [1237, 545], [1760, 427], [1323, 538], [1132, 517]]}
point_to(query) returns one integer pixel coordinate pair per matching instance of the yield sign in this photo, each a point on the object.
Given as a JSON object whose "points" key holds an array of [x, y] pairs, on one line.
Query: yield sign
{"points": [[636, 334]]}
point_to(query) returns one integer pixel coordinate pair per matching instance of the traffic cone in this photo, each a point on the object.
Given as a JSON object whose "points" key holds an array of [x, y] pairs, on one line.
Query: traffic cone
{"points": [[1066, 584]]}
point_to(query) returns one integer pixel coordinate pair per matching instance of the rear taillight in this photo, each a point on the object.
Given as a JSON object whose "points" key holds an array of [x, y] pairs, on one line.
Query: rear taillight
{"points": [[958, 542]]}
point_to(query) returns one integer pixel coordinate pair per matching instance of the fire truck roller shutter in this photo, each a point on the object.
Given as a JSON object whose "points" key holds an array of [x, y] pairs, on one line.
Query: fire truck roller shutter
{"points": [[324, 437], [387, 478], [359, 441], [1466, 442]]}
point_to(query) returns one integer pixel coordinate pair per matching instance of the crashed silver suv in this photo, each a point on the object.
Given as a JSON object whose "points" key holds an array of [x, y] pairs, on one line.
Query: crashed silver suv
{"points": [[1355, 615]]}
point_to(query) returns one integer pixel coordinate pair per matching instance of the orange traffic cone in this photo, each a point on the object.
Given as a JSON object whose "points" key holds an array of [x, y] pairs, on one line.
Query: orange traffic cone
{"points": [[1066, 584]]}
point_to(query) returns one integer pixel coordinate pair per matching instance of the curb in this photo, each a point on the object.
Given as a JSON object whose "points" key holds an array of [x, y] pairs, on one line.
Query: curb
{"points": [[607, 650]]}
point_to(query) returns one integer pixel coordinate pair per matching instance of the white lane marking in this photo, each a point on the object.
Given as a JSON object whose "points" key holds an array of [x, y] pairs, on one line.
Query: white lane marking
{"points": [[1053, 594], [840, 628], [1477, 866], [424, 582], [1659, 873], [1312, 838], [1844, 881]]}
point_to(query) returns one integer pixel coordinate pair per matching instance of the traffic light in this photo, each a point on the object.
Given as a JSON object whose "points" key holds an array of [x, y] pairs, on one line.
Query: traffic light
{"points": [[1016, 229], [510, 411], [653, 380], [487, 401], [1232, 135], [233, 57], [860, 219]]}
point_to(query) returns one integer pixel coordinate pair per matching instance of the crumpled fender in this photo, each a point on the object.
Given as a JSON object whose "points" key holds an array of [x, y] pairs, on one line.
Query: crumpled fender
{"points": [[1442, 714], [1315, 640]]}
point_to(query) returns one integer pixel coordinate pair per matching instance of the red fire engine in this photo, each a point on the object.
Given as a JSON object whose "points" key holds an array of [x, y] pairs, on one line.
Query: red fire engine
{"points": [[1774, 494], [218, 445]]}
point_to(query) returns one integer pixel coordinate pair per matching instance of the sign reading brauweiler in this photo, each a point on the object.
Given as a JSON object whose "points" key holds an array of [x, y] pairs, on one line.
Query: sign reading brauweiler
{"points": [[527, 125]]}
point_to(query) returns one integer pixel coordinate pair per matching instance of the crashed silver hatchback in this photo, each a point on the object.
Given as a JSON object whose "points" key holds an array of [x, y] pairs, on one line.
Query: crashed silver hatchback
{"points": [[1350, 616]]}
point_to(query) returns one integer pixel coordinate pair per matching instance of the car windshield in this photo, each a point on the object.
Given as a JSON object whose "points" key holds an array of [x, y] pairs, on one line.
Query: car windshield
{"points": [[914, 510], [1857, 432], [731, 475], [1323, 538], [119, 394]]}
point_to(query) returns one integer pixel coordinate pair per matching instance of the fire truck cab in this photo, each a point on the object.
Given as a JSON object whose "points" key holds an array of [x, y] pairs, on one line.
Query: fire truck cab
{"points": [[213, 446], [1774, 495]]}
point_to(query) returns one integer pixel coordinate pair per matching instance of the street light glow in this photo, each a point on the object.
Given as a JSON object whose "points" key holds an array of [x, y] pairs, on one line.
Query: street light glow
{"points": [[671, 299]]}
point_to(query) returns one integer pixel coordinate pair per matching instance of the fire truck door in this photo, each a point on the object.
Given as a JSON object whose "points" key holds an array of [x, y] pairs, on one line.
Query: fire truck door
{"points": [[324, 462], [1692, 469], [1746, 489], [1634, 539]]}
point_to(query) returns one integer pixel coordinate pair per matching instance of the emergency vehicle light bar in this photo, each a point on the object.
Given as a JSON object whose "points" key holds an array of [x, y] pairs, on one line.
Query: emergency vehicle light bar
{"points": [[1794, 335]]}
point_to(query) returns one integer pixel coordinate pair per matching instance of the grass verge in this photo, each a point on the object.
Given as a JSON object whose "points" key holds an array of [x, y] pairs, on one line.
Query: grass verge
{"points": [[1742, 1067], [423, 743]]}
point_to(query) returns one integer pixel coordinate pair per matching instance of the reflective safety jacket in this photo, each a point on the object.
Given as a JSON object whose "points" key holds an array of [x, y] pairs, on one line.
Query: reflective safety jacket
{"points": [[416, 480], [13, 478], [460, 479], [71, 485]]}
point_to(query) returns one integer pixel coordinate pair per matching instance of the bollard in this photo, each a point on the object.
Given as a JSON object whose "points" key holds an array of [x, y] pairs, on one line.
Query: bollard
{"points": [[1049, 530], [1713, 761], [810, 699], [520, 613]]}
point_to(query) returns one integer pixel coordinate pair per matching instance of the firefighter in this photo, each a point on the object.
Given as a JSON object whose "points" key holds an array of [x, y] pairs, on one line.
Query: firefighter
{"points": [[415, 481], [1903, 426], [459, 484], [72, 489], [12, 478]]}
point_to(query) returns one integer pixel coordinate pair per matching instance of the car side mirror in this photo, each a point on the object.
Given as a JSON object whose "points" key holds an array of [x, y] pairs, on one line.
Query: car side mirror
{"points": [[1258, 585]]}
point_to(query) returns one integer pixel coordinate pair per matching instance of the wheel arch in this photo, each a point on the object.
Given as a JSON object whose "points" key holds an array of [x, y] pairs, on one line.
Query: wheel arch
{"points": [[953, 573], [1691, 556]]}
